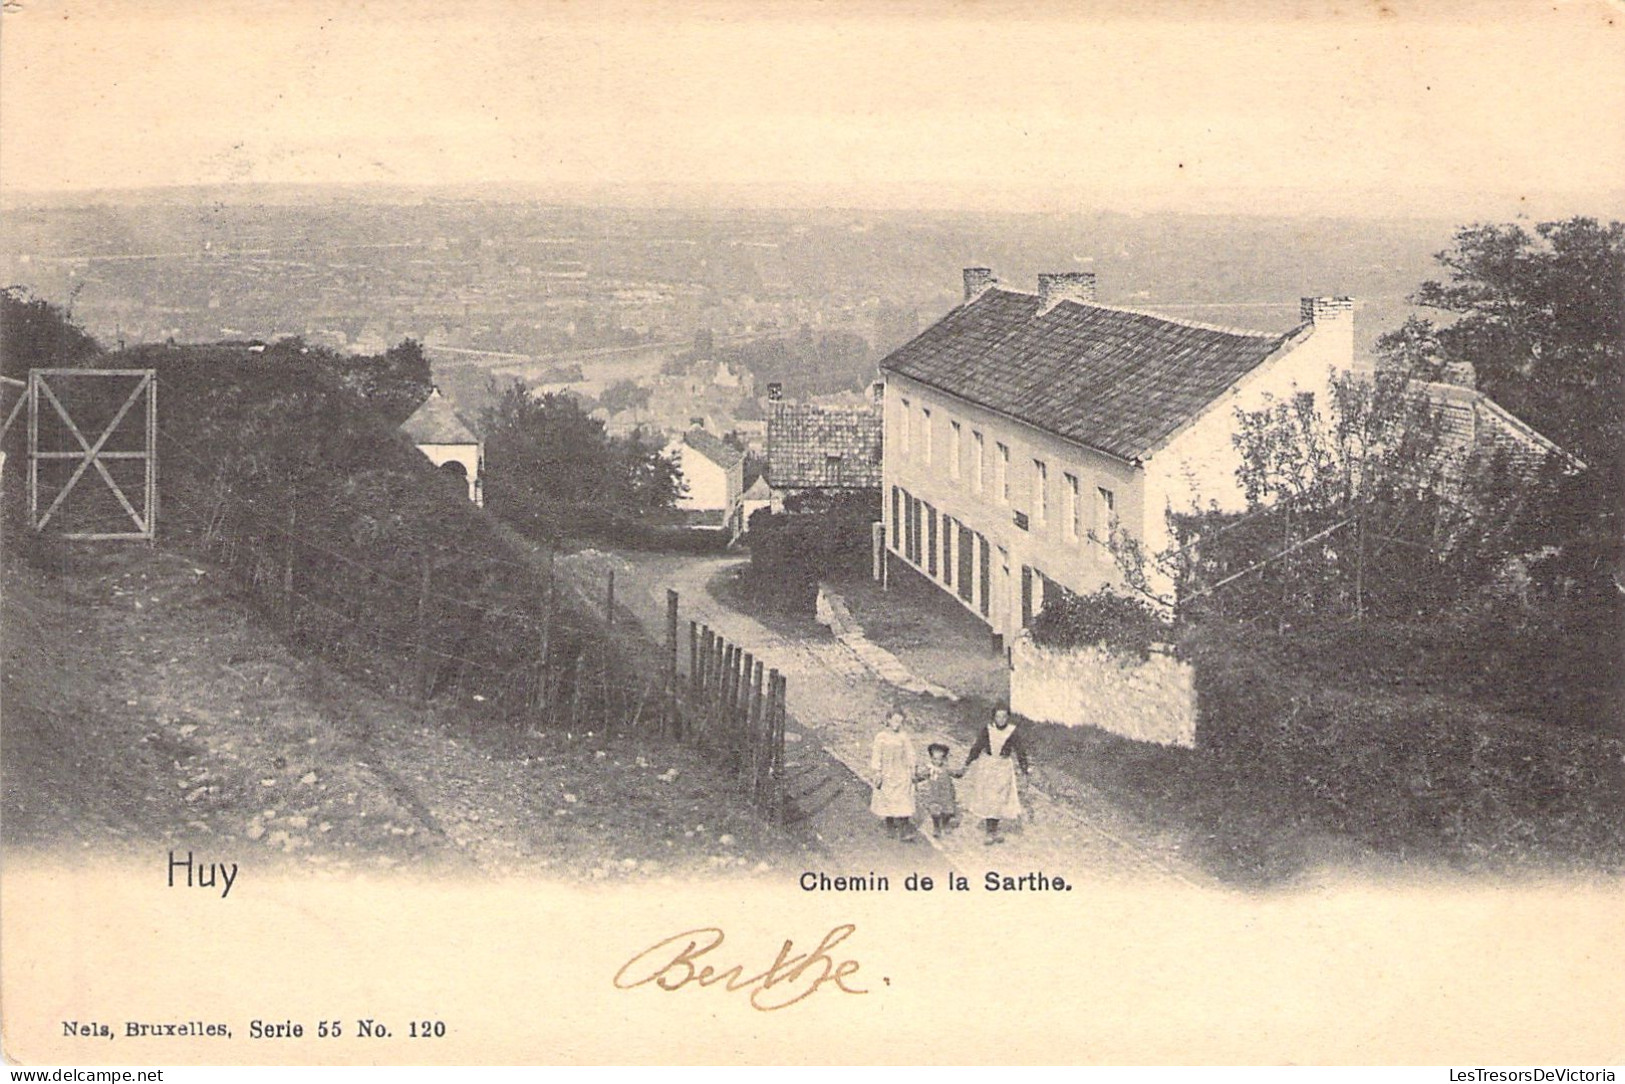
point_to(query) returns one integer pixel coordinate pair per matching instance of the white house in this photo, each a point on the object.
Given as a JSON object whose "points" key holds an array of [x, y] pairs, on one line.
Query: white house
{"points": [[756, 498], [1022, 429], [450, 445], [714, 472]]}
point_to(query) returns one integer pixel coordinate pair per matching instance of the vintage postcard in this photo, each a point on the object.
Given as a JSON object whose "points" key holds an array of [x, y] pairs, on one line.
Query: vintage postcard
{"points": [[991, 533]]}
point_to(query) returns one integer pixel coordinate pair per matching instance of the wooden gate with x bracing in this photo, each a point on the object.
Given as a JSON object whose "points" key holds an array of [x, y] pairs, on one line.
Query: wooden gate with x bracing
{"points": [[121, 407]]}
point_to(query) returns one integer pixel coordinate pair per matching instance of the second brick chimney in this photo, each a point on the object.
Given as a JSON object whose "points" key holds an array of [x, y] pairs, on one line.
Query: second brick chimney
{"points": [[977, 281], [1058, 286]]}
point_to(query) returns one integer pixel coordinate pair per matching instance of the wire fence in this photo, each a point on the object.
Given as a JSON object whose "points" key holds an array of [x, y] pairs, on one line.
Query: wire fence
{"points": [[546, 647]]}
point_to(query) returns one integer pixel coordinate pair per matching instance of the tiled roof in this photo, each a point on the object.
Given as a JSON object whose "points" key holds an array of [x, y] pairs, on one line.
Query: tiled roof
{"points": [[1475, 424], [1112, 379], [822, 447], [435, 422], [714, 448]]}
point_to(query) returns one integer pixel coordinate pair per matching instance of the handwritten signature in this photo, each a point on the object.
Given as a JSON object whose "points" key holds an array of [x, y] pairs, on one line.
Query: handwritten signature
{"points": [[676, 961]]}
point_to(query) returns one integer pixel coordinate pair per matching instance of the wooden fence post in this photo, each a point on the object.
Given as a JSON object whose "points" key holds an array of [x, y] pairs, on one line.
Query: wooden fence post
{"points": [[731, 692], [702, 672], [755, 715], [719, 704], [719, 667], [742, 714], [287, 570], [777, 750], [543, 667], [609, 601], [421, 667], [693, 656], [673, 724]]}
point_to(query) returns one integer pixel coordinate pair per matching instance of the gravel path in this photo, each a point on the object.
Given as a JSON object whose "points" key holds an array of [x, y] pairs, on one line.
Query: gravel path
{"points": [[1069, 832]]}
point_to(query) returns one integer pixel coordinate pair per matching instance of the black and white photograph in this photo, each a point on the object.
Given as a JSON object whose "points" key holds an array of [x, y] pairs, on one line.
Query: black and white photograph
{"points": [[515, 511]]}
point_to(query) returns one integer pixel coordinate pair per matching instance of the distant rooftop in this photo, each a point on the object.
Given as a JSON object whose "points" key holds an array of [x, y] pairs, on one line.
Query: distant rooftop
{"points": [[435, 422], [714, 448], [819, 447]]}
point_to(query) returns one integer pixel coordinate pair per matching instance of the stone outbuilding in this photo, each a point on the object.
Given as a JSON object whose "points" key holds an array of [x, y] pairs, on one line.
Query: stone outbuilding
{"points": [[449, 443]]}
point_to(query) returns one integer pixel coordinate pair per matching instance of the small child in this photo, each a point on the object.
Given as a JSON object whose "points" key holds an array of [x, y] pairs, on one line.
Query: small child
{"points": [[936, 788]]}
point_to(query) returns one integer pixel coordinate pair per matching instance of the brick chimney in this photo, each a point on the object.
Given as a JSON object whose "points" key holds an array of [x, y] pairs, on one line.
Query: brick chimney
{"points": [[977, 281], [1320, 310], [775, 392], [1333, 320], [1460, 373], [1059, 286]]}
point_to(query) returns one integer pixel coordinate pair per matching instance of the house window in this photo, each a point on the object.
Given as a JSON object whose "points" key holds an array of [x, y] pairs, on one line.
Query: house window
{"points": [[1074, 509], [832, 470], [896, 519], [986, 575], [980, 454], [1105, 513], [903, 429], [925, 433], [1040, 491], [967, 564], [1004, 577], [1001, 473], [915, 524], [931, 540], [953, 449]]}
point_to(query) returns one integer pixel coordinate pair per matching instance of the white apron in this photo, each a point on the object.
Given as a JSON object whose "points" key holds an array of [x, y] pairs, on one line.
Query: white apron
{"points": [[992, 780]]}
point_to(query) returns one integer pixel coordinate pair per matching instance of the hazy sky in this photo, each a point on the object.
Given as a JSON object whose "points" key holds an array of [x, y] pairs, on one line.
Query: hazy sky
{"points": [[1273, 107]]}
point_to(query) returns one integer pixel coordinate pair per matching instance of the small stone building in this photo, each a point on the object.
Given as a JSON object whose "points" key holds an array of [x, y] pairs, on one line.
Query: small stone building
{"points": [[449, 443]]}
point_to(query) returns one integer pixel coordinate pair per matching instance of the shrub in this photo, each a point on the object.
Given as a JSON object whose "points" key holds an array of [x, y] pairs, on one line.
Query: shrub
{"points": [[790, 553], [1402, 770], [1120, 624], [338, 530]]}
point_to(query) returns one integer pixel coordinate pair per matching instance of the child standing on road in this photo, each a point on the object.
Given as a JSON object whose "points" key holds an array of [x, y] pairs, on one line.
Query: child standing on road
{"points": [[936, 789], [892, 765]]}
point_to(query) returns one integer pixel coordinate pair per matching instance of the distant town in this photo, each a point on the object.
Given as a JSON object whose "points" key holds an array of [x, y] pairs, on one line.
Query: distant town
{"points": [[580, 298]]}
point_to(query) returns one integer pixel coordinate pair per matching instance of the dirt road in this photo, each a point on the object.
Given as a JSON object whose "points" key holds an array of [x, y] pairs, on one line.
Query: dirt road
{"points": [[146, 709], [1070, 832]]}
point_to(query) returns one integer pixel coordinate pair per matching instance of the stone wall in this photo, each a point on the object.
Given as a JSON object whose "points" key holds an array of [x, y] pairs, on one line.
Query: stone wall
{"points": [[1153, 701]]}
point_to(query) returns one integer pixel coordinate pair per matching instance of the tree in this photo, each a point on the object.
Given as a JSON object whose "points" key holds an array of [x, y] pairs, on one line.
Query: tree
{"points": [[1363, 503], [395, 382], [34, 333], [546, 445], [623, 395], [1541, 318]]}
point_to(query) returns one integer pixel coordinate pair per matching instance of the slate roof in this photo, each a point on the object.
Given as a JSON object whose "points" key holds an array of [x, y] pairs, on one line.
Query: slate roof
{"points": [[714, 448], [802, 438], [1112, 379], [435, 422], [1475, 424]]}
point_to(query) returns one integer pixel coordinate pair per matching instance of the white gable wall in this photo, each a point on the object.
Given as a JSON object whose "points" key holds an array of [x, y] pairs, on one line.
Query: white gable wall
{"points": [[1197, 467], [470, 456], [711, 487]]}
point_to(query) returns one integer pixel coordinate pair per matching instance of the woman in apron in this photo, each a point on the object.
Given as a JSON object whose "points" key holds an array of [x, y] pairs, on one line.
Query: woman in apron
{"points": [[990, 773]]}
